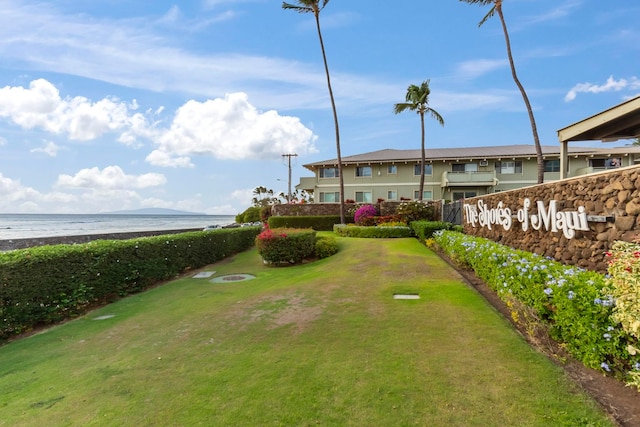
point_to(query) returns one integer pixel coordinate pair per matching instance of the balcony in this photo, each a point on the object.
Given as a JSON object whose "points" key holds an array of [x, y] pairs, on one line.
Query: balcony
{"points": [[468, 179]]}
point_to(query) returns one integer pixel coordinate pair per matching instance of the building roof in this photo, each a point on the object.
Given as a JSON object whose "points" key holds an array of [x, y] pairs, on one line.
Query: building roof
{"points": [[469, 153], [619, 122]]}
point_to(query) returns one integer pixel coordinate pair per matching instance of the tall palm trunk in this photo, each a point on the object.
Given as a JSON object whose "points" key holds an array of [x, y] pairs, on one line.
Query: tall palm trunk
{"points": [[534, 128], [422, 157], [335, 119]]}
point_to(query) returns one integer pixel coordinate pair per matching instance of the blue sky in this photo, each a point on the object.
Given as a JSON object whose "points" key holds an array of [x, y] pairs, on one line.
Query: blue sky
{"points": [[117, 104]]}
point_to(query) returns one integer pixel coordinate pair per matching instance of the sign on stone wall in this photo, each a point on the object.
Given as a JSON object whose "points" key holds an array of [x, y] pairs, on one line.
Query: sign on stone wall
{"points": [[540, 216]]}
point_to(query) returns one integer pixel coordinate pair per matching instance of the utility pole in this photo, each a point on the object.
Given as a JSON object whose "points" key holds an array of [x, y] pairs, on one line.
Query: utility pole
{"points": [[289, 156]]}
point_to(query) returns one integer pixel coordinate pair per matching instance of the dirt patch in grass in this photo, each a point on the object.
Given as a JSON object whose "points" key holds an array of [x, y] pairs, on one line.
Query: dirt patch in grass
{"points": [[618, 400], [280, 310]]}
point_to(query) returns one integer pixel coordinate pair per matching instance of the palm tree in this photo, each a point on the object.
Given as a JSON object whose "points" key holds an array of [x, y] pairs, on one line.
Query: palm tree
{"points": [[417, 100], [497, 7], [315, 6]]}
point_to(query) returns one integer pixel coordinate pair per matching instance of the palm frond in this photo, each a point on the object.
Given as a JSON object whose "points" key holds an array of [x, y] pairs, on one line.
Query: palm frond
{"points": [[399, 108], [487, 16], [303, 8]]}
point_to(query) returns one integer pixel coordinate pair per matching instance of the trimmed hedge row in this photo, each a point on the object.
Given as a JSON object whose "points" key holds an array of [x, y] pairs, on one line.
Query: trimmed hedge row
{"points": [[425, 229], [318, 223], [48, 284], [372, 232]]}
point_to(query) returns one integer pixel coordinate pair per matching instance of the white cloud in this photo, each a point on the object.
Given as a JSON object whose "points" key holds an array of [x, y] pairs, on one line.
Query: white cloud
{"points": [[18, 198], [3, 141], [110, 178], [50, 149], [611, 85], [40, 106], [230, 128]]}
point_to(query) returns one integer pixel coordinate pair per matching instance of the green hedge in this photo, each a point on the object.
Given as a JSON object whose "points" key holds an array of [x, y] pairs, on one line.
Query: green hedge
{"points": [[47, 284], [425, 229], [318, 223], [372, 232]]}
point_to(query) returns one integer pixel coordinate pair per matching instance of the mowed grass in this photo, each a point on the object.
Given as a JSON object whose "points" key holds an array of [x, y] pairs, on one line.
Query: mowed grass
{"points": [[322, 343]]}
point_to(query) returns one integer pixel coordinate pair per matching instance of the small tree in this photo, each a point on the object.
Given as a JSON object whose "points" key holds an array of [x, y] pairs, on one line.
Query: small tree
{"points": [[417, 99]]}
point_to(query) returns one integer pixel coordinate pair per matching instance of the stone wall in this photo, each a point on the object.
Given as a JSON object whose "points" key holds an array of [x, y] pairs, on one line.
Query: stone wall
{"points": [[607, 204], [315, 209]]}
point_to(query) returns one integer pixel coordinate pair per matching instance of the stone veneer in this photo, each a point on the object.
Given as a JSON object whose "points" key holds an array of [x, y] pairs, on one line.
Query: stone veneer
{"points": [[611, 194]]}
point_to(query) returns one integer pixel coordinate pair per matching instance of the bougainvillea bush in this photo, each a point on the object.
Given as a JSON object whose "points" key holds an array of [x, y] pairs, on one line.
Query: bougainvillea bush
{"points": [[363, 212], [286, 245], [577, 306]]}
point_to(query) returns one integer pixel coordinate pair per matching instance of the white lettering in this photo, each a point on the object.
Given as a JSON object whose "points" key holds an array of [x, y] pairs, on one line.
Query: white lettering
{"points": [[547, 217]]}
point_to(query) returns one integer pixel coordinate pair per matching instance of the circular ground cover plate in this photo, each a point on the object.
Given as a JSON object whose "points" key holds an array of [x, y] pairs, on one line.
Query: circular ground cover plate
{"points": [[232, 278]]}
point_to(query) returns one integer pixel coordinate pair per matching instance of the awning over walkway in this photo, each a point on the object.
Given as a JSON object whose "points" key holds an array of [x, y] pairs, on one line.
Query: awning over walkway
{"points": [[619, 122]]}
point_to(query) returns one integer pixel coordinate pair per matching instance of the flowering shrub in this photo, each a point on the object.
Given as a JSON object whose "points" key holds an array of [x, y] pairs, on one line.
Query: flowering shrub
{"points": [[575, 304], [623, 284], [286, 245], [414, 211], [364, 211]]}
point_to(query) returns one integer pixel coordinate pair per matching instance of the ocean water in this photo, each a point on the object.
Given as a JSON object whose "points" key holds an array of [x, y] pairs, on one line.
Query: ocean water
{"points": [[23, 226]]}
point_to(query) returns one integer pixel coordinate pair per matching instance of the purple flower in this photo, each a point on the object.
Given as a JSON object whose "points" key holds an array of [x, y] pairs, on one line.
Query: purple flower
{"points": [[548, 291], [605, 366]]}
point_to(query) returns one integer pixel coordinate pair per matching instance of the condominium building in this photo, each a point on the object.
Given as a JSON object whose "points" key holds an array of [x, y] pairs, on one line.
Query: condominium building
{"points": [[453, 173]]}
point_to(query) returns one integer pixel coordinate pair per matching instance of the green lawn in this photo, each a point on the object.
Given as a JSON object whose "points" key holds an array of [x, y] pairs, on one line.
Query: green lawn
{"points": [[322, 343]]}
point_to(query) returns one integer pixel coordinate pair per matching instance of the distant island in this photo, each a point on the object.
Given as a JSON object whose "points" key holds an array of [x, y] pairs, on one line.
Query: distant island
{"points": [[153, 211]]}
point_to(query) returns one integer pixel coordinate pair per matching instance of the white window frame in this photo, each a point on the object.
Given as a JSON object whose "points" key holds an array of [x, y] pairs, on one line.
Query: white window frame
{"points": [[336, 197], [361, 197], [428, 169], [336, 173], [426, 194], [361, 171]]}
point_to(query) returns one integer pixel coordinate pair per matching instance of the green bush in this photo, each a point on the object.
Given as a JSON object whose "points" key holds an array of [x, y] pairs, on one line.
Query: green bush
{"points": [[425, 229], [372, 232], [318, 223], [286, 245], [251, 214], [326, 246], [575, 304], [48, 284]]}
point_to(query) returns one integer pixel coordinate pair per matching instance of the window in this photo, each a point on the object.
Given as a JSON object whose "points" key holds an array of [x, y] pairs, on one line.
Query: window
{"points": [[392, 195], [610, 163], [329, 172], [392, 169], [426, 194], [363, 197], [509, 167], [457, 195], [330, 197], [552, 165], [464, 167], [363, 171], [428, 169]]}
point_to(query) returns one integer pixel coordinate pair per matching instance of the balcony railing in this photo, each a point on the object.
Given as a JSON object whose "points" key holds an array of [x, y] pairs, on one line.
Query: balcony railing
{"points": [[462, 179]]}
